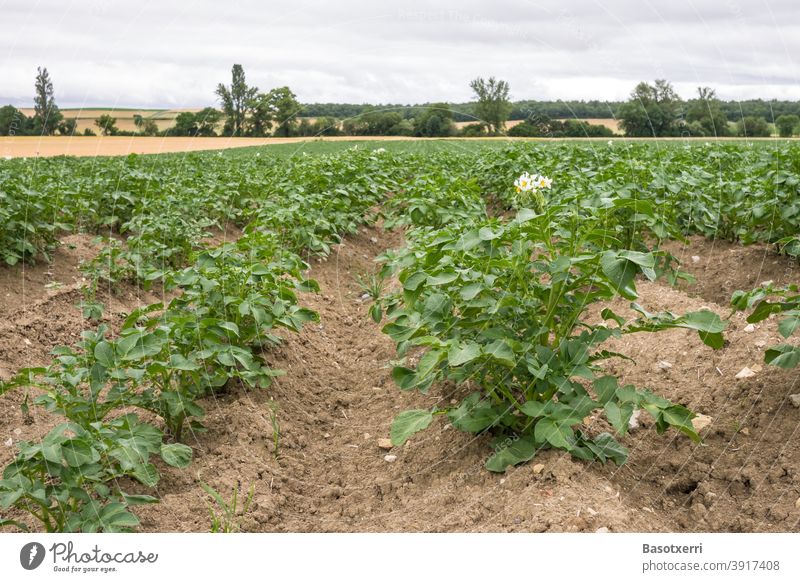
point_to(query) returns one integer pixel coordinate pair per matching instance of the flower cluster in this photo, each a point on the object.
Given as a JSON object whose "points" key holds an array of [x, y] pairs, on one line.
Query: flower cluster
{"points": [[526, 182]]}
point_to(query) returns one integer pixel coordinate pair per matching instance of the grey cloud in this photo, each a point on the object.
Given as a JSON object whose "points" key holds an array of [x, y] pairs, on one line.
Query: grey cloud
{"points": [[174, 53]]}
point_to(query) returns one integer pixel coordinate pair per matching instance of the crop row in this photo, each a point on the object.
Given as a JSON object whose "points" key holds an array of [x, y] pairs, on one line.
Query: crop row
{"points": [[229, 304]]}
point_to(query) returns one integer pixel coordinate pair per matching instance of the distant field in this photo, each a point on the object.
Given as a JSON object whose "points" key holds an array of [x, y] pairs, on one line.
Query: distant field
{"points": [[164, 118], [32, 146]]}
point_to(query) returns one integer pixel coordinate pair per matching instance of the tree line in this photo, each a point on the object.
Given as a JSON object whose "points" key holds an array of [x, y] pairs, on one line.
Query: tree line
{"points": [[652, 110]]}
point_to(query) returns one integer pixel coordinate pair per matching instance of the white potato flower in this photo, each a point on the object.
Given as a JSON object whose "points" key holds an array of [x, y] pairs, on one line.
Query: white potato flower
{"points": [[524, 183]]}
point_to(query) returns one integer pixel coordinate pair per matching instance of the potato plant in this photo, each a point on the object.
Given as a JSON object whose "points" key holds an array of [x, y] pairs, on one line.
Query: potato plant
{"points": [[501, 306]]}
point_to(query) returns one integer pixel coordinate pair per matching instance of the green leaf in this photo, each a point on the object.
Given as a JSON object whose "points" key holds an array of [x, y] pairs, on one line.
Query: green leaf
{"points": [[460, 354], [501, 351], [554, 432], [409, 422], [620, 272], [442, 278], [517, 451], [104, 354], [783, 355], [77, 452], [606, 446], [147, 474], [176, 455], [179, 362], [605, 388], [376, 313], [404, 377], [474, 414], [230, 326], [681, 418], [788, 325], [619, 416], [114, 516]]}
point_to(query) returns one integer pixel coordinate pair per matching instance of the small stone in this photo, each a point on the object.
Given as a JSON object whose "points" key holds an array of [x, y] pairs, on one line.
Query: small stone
{"points": [[633, 421], [502, 481], [757, 368], [9, 442], [372, 239], [367, 436], [664, 365], [601, 530], [701, 421], [745, 373], [760, 343], [27, 341], [538, 468], [695, 259], [797, 503], [745, 431], [385, 444], [749, 328], [327, 435], [390, 458], [795, 400], [591, 511]]}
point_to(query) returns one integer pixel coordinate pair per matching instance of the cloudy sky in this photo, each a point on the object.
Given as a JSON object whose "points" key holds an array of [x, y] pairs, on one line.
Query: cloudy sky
{"points": [[173, 53]]}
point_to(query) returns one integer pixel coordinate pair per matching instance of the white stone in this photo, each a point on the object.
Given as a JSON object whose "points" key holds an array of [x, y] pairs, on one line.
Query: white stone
{"points": [[633, 421], [749, 328], [664, 365], [795, 400], [390, 458], [695, 259], [9, 442], [745, 373], [701, 421], [601, 530]]}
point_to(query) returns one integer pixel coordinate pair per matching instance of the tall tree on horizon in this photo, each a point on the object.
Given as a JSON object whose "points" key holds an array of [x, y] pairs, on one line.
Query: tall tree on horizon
{"points": [[236, 101], [493, 107], [47, 116]]}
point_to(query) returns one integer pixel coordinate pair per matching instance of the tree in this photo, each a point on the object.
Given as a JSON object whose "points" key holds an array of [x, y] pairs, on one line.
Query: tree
{"points": [[47, 115], [435, 121], [207, 120], [68, 126], [284, 107], [752, 126], [705, 115], [149, 127], [651, 111], [236, 101], [493, 107], [787, 125], [259, 124], [138, 121], [13, 121], [107, 124], [185, 125]]}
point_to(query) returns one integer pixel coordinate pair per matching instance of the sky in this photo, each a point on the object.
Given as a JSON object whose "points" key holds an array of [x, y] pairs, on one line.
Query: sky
{"points": [[172, 54]]}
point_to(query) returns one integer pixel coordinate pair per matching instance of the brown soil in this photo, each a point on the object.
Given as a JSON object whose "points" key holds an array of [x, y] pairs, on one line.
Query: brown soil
{"points": [[721, 267], [337, 399]]}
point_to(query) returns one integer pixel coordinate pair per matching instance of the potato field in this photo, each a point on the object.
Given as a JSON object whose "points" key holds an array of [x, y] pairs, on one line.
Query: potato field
{"points": [[389, 336]]}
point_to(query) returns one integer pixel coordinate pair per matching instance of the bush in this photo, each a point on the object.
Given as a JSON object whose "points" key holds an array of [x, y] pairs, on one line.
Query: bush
{"points": [[753, 127], [474, 130], [787, 125]]}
